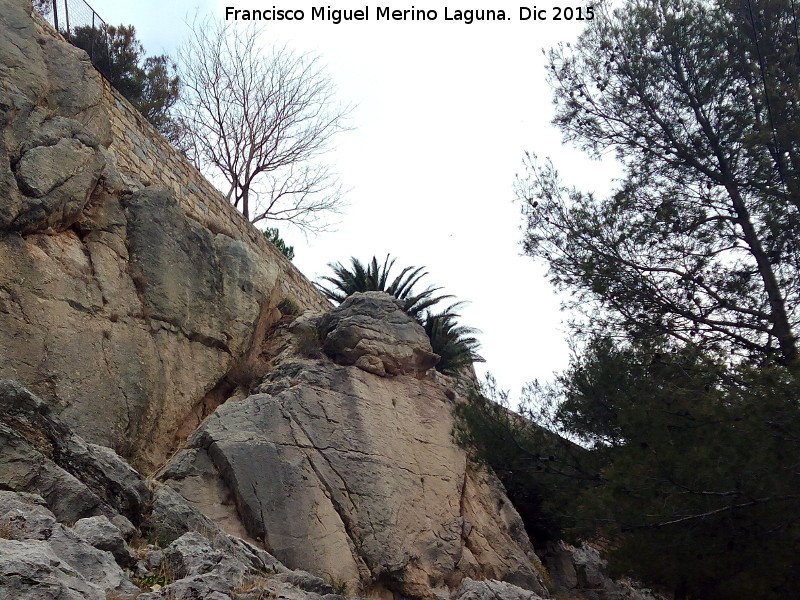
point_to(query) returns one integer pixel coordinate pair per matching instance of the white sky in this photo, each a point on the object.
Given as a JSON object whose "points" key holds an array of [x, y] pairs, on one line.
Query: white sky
{"points": [[443, 113]]}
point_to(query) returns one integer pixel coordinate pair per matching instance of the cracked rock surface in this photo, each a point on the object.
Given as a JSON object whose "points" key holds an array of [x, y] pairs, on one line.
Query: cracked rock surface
{"points": [[116, 307], [371, 331], [356, 477], [127, 327], [107, 540]]}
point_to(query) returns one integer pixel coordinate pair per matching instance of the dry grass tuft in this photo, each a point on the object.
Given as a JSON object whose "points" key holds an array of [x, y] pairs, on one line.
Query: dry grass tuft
{"points": [[7, 531]]}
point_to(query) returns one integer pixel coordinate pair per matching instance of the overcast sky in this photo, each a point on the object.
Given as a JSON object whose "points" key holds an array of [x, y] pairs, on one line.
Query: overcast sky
{"points": [[443, 113]]}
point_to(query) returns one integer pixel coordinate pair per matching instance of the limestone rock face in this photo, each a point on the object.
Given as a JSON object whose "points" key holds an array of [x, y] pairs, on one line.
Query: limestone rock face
{"points": [[581, 572], [45, 555], [30, 570], [355, 476], [136, 321], [491, 590], [372, 332], [124, 313]]}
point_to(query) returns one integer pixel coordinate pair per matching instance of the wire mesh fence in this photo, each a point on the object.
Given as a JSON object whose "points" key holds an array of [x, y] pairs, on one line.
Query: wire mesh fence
{"points": [[80, 24]]}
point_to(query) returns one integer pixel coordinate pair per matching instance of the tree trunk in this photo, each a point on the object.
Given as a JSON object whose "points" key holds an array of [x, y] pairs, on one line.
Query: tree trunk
{"points": [[780, 320]]}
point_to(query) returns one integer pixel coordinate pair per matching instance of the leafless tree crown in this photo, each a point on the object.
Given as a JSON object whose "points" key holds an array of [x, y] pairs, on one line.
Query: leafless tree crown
{"points": [[261, 118]]}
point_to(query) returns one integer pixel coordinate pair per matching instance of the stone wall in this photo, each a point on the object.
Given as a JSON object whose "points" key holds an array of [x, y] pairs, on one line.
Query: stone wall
{"points": [[139, 150], [143, 152], [133, 298]]}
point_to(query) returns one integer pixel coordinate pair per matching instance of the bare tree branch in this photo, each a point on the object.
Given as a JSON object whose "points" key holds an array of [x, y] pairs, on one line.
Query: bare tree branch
{"points": [[261, 119]]}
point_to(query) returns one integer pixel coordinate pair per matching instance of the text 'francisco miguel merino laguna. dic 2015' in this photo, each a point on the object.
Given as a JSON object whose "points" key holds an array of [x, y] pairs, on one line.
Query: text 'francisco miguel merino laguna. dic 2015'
{"points": [[387, 13]]}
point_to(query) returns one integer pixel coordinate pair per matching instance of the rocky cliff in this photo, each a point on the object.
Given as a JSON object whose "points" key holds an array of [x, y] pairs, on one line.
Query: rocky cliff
{"points": [[128, 314], [300, 451]]}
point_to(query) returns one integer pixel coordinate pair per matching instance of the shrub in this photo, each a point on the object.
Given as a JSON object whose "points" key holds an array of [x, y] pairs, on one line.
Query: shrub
{"points": [[150, 83], [339, 586], [273, 237], [289, 307], [163, 576]]}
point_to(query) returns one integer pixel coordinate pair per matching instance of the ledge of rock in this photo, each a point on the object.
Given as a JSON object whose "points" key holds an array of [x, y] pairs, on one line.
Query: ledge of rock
{"points": [[372, 331]]}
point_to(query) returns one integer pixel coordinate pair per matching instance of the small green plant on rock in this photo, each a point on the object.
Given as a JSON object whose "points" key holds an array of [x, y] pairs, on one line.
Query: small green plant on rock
{"points": [[289, 307], [163, 576], [309, 343], [338, 585]]}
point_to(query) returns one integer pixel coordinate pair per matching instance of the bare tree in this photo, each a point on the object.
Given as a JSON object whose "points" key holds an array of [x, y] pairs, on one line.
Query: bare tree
{"points": [[261, 118]]}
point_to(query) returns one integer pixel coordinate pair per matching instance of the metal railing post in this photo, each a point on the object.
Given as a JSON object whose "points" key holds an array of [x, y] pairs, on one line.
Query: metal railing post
{"points": [[55, 13], [66, 15]]}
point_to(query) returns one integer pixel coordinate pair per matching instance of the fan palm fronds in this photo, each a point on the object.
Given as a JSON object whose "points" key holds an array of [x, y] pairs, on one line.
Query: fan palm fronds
{"points": [[374, 277], [455, 344]]}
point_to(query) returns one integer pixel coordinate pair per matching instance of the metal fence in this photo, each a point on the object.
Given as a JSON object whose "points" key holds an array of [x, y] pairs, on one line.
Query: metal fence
{"points": [[80, 24]]}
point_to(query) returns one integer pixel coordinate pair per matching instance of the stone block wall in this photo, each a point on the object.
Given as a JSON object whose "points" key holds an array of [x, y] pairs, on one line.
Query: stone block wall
{"points": [[143, 152]]}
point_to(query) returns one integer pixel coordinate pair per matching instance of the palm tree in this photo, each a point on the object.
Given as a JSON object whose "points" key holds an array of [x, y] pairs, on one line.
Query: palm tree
{"points": [[374, 278], [455, 344]]}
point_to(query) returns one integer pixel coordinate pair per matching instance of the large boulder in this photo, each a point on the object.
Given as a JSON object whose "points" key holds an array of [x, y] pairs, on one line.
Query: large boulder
{"points": [[58, 558], [372, 331], [31, 570], [355, 477], [101, 533]]}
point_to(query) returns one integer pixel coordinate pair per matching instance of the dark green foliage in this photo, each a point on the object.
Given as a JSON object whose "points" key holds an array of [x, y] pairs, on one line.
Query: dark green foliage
{"points": [[691, 476], [700, 479], [542, 472], [699, 240], [339, 586], [686, 386], [375, 278], [455, 344], [273, 236], [289, 307], [148, 83]]}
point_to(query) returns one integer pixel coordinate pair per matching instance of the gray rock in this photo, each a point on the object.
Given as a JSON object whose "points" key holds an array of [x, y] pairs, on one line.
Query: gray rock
{"points": [[171, 516], [582, 570], [491, 590], [101, 533], [166, 305], [57, 182], [306, 582], [87, 480], [155, 559], [30, 570], [209, 569], [23, 468], [95, 566], [320, 480], [192, 554], [197, 587], [372, 332], [25, 516]]}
